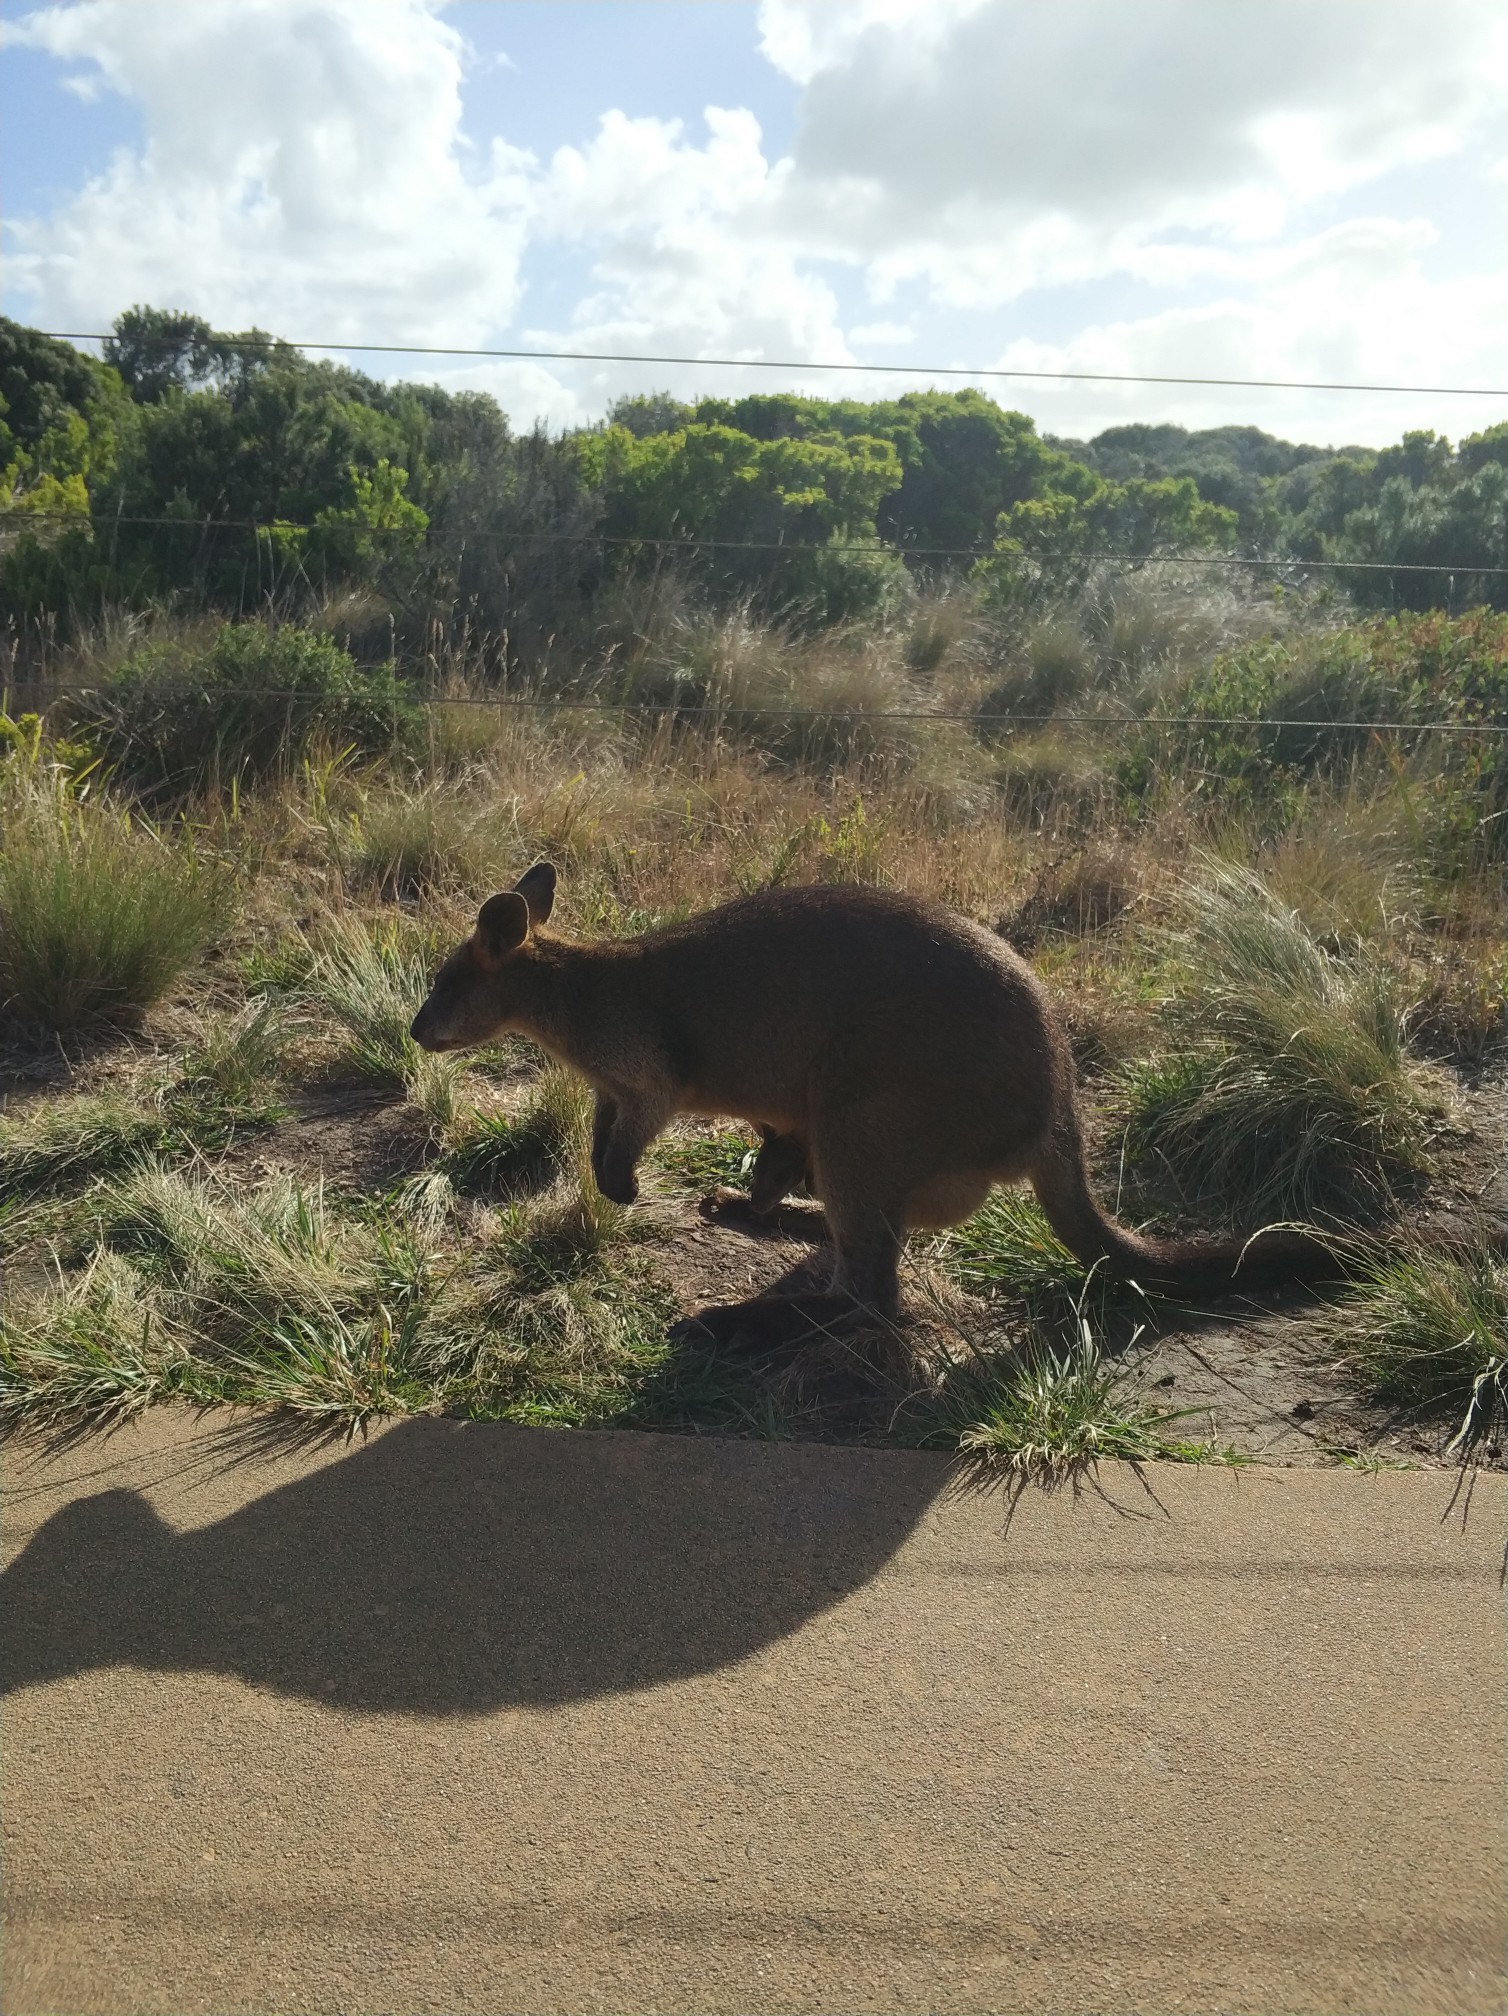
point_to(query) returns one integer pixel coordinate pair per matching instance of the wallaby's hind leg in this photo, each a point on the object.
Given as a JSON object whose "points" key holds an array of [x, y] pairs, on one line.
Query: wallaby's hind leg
{"points": [[865, 1279], [866, 1252]]}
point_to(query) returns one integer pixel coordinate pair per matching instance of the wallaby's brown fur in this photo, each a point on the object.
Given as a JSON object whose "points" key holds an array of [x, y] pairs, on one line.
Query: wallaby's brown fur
{"points": [[904, 1057]]}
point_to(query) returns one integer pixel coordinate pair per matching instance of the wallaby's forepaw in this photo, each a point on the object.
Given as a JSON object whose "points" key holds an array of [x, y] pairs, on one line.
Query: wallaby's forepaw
{"points": [[618, 1188]]}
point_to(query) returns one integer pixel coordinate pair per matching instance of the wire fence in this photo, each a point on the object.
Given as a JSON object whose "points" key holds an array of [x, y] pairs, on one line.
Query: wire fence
{"points": [[254, 340], [16, 522], [716, 710]]}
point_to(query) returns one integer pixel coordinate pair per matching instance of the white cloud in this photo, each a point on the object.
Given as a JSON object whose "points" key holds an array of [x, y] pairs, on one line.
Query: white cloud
{"points": [[689, 256], [1350, 305], [802, 38], [882, 332], [304, 168], [988, 149]]}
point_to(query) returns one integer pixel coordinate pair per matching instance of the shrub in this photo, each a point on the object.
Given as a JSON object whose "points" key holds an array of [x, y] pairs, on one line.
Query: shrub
{"points": [[1262, 720], [99, 914], [1285, 1091], [176, 714]]}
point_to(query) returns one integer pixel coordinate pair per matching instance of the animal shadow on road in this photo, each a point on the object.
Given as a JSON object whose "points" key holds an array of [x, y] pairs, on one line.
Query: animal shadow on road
{"points": [[451, 1568]]}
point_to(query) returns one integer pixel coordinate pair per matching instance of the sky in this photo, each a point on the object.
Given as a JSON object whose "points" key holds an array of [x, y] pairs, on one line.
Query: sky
{"points": [[1294, 189]]}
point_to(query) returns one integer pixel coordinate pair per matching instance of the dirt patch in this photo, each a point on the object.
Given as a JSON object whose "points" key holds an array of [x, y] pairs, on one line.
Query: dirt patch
{"points": [[352, 1139]]}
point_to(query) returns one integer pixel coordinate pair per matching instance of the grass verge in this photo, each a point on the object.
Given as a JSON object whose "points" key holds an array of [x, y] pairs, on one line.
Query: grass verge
{"points": [[226, 1084]]}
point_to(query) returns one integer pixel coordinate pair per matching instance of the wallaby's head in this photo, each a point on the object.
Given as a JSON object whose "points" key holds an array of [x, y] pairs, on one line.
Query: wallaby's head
{"points": [[472, 999]]}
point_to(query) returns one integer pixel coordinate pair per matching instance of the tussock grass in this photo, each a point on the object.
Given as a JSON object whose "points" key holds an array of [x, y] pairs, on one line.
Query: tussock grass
{"points": [[1087, 893], [99, 914], [1352, 863], [822, 703], [95, 1348], [232, 1072], [1428, 1327], [406, 842], [1285, 1092], [560, 1318], [941, 627], [63, 1141], [1052, 1415], [501, 1154], [1007, 1250], [372, 985]]}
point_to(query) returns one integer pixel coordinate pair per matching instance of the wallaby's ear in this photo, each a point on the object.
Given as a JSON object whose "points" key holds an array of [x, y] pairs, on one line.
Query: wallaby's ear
{"points": [[502, 925], [538, 890]]}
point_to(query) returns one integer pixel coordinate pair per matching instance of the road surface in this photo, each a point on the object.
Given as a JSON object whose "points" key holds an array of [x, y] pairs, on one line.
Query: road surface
{"points": [[485, 1719]]}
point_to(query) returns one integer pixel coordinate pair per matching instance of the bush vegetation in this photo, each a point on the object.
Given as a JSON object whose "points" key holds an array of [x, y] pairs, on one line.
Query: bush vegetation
{"points": [[179, 713]]}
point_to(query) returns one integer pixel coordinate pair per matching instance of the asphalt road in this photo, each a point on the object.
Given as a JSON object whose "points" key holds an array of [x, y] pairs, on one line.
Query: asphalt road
{"points": [[485, 1719]]}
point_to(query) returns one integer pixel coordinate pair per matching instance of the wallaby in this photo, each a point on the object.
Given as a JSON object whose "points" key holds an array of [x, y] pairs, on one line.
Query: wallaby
{"points": [[901, 1057]]}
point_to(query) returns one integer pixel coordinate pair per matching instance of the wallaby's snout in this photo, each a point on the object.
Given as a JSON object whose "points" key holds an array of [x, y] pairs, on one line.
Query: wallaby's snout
{"points": [[424, 1028], [473, 996]]}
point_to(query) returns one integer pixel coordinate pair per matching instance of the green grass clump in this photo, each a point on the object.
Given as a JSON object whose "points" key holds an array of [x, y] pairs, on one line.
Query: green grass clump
{"points": [[1429, 1328], [62, 1141], [227, 1083], [1008, 1249], [372, 985], [97, 1348], [703, 1162], [560, 1325], [229, 1077], [1285, 1092], [99, 914], [1049, 1415], [502, 1154], [248, 703]]}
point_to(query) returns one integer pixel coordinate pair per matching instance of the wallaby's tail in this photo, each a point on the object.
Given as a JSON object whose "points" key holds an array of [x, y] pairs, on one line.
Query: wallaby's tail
{"points": [[1180, 1266]]}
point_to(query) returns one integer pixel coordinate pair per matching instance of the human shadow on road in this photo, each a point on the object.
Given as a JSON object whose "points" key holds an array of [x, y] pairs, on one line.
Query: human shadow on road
{"points": [[451, 1568]]}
